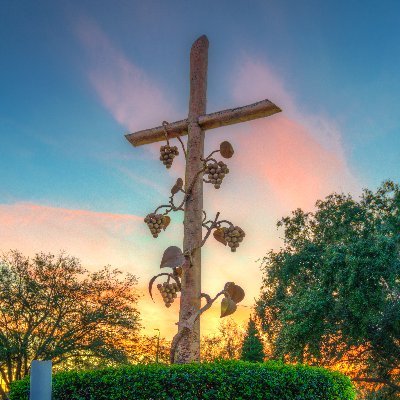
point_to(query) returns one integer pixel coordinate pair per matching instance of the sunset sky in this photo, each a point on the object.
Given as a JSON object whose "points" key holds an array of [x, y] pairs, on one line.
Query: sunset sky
{"points": [[77, 75]]}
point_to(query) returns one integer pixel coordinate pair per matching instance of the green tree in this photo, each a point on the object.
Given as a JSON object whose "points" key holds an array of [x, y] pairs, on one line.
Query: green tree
{"points": [[223, 345], [52, 308], [252, 346], [146, 351], [331, 294]]}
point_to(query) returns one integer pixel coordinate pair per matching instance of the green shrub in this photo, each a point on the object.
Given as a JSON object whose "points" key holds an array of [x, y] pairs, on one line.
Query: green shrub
{"points": [[214, 381]]}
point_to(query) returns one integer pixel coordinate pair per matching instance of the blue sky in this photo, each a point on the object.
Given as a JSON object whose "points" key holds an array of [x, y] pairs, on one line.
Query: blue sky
{"points": [[76, 75], [337, 58]]}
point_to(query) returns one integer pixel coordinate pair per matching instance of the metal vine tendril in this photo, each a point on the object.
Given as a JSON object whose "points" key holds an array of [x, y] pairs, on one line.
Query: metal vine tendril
{"points": [[222, 234], [165, 125]]}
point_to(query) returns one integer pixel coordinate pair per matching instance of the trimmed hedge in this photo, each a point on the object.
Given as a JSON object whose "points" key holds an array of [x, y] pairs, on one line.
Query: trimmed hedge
{"points": [[214, 381]]}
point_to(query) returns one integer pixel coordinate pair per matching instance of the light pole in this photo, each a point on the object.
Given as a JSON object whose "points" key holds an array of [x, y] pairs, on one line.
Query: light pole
{"points": [[158, 344]]}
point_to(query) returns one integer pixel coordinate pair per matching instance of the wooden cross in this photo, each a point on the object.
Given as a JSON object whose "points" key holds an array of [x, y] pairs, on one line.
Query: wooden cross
{"points": [[194, 126]]}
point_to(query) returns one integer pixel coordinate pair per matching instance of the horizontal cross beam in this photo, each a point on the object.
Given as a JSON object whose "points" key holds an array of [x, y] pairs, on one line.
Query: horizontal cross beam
{"points": [[231, 116]]}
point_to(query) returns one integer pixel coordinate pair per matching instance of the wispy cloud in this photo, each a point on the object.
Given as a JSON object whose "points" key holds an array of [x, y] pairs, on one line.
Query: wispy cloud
{"points": [[95, 237], [134, 99]]}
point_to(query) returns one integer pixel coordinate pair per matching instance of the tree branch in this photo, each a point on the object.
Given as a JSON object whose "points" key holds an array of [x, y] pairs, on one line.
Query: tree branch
{"points": [[377, 380], [3, 393]]}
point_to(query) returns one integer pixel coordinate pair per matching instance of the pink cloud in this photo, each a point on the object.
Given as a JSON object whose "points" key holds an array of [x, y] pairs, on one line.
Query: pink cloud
{"points": [[298, 156], [282, 162], [133, 98], [96, 238], [296, 168]]}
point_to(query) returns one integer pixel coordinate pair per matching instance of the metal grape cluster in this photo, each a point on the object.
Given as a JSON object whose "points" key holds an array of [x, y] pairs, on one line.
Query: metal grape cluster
{"points": [[167, 154], [223, 231], [156, 222], [168, 292], [233, 236], [216, 172]]}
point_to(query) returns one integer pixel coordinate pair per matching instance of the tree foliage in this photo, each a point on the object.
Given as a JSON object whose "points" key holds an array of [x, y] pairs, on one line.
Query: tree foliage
{"points": [[332, 293], [198, 381], [146, 351], [252, 346], [52, 308], [225, 345]]}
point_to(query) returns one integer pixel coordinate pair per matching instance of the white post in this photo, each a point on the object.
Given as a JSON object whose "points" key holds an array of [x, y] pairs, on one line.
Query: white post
{"points": [[40, 380]]}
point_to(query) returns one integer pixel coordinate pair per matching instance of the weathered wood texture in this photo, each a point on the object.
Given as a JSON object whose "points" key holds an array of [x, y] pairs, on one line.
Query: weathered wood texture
{"points": [[261, 109], [189, 346]]}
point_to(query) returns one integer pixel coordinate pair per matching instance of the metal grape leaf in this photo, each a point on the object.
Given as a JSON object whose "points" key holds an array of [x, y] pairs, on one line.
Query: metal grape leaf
{"points": [[226, 149], [162, 274], [152, 281], [235, 292], [177, 187], [172, 258], [220, 236], [165, 221], [228, 307]]}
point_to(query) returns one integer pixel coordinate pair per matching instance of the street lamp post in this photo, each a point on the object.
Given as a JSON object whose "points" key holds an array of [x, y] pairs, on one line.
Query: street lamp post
{"points": [[158, 345]]}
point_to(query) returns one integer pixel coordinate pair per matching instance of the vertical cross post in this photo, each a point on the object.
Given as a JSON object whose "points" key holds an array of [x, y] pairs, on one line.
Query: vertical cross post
{"points": [[189, 347]]}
